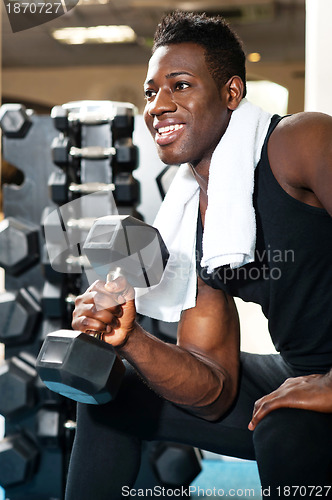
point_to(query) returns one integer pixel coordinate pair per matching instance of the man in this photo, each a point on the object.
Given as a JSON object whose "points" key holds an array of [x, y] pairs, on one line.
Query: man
{"points": [[210, 392]]}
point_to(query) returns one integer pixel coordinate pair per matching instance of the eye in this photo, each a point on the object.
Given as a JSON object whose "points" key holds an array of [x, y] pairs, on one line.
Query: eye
{"points": [[149, 93], [182, 85]]}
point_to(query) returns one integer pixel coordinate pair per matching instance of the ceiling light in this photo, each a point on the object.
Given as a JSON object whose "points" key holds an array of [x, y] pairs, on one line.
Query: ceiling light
{"points": [[92, 2], [95, 34], [254, 57]]}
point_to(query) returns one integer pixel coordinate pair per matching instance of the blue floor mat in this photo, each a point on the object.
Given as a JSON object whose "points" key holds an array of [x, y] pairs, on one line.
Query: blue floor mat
{"points": [[227, 479]]}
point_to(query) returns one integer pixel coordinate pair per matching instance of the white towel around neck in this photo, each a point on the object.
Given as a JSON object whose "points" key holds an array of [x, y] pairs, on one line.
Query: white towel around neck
{"points": [[229, 235]]}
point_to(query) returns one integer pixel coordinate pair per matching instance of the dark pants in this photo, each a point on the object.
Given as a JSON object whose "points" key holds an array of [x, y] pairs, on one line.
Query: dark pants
{"points": [[292, 447]]}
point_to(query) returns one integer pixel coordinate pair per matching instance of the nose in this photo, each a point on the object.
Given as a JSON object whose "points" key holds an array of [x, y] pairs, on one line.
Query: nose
{"points": [[162, 103]]}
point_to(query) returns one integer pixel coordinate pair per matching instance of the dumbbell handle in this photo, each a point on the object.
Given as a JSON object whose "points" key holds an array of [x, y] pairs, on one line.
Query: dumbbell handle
{"points": [[91, 187], [92, 152]]}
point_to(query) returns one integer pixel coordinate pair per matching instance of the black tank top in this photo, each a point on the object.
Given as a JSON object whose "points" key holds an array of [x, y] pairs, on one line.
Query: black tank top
{"points": [[291, 277]]}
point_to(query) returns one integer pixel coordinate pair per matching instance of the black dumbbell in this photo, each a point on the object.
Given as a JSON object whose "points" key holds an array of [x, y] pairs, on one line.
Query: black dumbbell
{"points": [[127, 189], [19, 245], [19, 312], [60, 149], [63, 153], [126, 158], [61, 189], [59, 116], [81, 366], [18, 460], [17, 386], [58, 184], [123, 123], [14, 120]]}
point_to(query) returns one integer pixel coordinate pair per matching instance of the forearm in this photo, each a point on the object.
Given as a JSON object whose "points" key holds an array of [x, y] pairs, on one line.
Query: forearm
{"points": [[200, 373], [182, 377]]}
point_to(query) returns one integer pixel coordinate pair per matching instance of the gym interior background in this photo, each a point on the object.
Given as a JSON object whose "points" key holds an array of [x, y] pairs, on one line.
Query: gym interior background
{"points": [[43, 67]]}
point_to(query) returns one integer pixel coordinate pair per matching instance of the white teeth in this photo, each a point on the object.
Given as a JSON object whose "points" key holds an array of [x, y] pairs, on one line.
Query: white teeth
{"points": [[170, 128]]}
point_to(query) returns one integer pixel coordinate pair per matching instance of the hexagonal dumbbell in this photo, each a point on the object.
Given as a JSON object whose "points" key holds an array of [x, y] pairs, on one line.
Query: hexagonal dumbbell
{"points": [[126, 157], [60, 149], [59, 116], [67, 365], [123, 122], [14, 120], [19, 312], [17, 386], [19, 245], [122, 241], [127, 189], [18, 460]]}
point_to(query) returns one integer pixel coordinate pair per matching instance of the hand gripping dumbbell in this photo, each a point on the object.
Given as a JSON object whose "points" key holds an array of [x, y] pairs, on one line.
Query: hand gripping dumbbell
{"points": [[83, 367]]}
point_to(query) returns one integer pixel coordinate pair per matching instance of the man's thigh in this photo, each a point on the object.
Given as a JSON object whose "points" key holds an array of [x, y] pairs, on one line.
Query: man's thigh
{"points": [[138, 411]]}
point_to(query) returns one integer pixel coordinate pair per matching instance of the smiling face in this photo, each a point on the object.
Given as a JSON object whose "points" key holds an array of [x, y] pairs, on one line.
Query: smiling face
{"points": [[185, 111]]}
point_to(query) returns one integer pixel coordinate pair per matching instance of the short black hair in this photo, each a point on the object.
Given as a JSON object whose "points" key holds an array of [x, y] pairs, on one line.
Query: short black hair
{"points": [[224, 53]]}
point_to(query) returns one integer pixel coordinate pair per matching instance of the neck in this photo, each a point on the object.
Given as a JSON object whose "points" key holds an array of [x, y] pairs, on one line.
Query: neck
{"points": [[202, 179]]}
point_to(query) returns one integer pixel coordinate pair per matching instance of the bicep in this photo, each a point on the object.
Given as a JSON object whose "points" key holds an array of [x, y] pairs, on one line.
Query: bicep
{"points": [[210, 330]]}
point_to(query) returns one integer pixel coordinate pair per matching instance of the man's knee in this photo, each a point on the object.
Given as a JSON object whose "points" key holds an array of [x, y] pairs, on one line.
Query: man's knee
{"points": [[292, 426], [295, 444]]}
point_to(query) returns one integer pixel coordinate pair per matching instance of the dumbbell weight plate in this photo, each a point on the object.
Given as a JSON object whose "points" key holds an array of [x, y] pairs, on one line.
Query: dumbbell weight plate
{"points": [[123, 241], [18, 460], [80, 367], [15, 121], [19, 245], [19, 314], [17, 387]]}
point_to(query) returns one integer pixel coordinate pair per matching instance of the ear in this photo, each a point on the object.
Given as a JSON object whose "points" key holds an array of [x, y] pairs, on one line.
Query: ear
{"points": [[234, 88]]}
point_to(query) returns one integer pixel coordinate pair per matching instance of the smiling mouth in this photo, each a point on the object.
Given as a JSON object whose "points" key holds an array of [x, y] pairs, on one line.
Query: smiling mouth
{"points": [[168, 134]]}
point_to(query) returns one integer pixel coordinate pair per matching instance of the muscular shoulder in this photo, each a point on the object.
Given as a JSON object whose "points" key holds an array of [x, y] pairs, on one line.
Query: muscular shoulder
{"points": [[299, 148]]}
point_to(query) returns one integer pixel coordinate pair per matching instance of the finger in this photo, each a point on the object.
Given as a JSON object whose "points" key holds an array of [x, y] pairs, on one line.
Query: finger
{"points": [[97, 285], [122, 288], [104, 315], [85, 324], [105, 300], [102, 297], [89, 294], [266, 405]]}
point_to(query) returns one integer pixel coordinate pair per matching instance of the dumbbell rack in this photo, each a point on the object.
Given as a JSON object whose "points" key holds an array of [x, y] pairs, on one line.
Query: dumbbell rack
{"points": [[83, 149], [78, 166]]}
